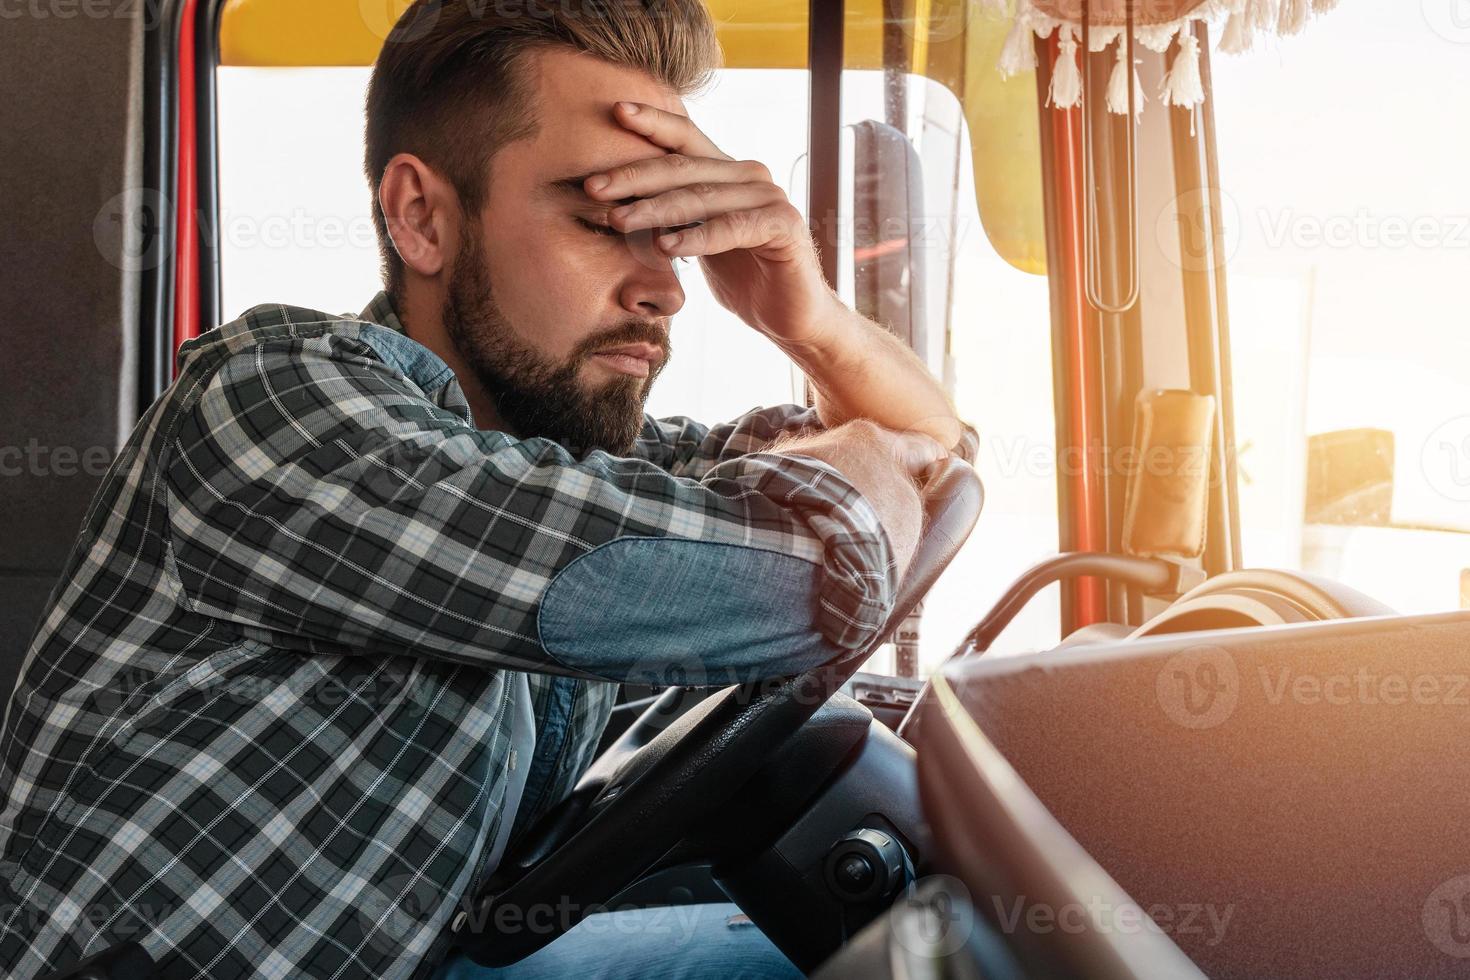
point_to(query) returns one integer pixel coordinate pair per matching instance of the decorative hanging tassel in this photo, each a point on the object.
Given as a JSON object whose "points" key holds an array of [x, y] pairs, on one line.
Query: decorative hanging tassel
{"points": [[1019, 53], [1118, 85], [1238, 37], [1263, 14], [1066, 77], [1183, 86], [1294, 16], [1322, 6]]}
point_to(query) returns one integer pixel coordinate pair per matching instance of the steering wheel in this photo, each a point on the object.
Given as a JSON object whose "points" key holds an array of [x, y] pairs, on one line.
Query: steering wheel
{"points": [[686, 774]]}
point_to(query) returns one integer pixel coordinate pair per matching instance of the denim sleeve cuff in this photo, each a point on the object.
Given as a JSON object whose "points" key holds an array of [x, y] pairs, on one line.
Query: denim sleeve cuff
{"points": [[861, 573], [679, 612]]}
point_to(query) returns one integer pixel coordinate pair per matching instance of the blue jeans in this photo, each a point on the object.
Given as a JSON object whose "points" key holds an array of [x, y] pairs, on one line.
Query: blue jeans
{"points": [[679, 942]]}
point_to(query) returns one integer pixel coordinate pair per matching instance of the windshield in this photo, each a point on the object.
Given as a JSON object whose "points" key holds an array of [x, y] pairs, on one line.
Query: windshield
{"points": [[304, 235], [1348, 233]]}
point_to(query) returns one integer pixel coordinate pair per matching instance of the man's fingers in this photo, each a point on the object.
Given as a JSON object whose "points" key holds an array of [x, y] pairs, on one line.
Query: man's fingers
{"points": [[777, 225], [645, 178], [698, 202], [919, 453], [667, 129]]}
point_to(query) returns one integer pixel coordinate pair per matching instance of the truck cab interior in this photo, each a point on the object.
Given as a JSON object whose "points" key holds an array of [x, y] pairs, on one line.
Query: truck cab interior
{"points": [[1175, 684]]}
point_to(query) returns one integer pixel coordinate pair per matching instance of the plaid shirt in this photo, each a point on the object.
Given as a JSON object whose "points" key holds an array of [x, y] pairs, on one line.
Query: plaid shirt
{"points": [[291, 693]]}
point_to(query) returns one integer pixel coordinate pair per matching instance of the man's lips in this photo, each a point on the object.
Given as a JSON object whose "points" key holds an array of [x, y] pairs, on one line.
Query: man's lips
{"points": [[634, 359]]}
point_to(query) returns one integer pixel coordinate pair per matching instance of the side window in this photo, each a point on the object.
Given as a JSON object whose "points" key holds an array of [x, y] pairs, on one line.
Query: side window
{"points": [[296, 226], [989, 330], [1348, 221]]}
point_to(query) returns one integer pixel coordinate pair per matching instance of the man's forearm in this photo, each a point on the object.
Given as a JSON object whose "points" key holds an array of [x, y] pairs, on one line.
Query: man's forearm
{"points": [[861, 371]]}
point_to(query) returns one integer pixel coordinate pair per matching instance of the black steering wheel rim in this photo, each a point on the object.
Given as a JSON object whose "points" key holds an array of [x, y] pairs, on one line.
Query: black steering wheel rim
{"points": [[687, 771]]}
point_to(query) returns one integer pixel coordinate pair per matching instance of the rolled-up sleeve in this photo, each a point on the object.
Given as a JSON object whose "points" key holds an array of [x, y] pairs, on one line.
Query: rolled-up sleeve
{"points": [[685, 447], [689, 448], [317, 495]]}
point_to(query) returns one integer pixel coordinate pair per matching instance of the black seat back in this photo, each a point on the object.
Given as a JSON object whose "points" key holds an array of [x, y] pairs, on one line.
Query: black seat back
{"points": [[69, 267]]}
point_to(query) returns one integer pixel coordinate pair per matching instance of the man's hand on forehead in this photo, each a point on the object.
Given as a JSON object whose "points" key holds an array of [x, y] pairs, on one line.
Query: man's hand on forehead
{"points": [[752, 242]]}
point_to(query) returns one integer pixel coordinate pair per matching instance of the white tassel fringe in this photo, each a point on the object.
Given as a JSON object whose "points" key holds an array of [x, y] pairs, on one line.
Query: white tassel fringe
{"points": [[1263, 14], [1238, 37], [1294, 15], [1157, 37], [1066, 77], [1244, 21], [1099, 38], [1118, 86], [1183, 86], [1019, 53]]}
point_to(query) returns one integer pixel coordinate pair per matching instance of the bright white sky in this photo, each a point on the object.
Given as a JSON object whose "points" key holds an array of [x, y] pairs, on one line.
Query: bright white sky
{"points": [[1337, 148]]}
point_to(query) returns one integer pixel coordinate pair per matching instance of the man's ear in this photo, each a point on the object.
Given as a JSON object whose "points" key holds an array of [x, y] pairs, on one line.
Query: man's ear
{"points": [[421, 210]]}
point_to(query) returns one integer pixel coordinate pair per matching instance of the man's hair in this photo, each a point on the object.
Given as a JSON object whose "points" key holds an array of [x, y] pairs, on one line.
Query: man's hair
{"points": [[448, 86]]}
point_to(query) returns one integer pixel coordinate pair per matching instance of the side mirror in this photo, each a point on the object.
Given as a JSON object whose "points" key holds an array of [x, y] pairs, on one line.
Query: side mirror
{"points": [[1350, 478]]}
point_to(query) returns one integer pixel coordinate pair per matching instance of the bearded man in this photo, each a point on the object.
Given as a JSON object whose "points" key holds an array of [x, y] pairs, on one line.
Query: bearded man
{"points": [[351, 609]]}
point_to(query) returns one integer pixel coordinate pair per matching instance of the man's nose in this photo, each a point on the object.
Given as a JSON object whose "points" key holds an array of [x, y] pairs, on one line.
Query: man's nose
{"points": [[651, 288]]}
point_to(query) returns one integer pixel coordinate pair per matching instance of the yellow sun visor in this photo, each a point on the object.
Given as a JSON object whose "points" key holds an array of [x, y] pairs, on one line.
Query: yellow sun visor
{"points": [[949, 41]]}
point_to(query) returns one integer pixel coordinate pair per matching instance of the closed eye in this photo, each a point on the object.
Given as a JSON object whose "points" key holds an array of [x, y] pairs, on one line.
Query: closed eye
{"points": [[597, 229]]}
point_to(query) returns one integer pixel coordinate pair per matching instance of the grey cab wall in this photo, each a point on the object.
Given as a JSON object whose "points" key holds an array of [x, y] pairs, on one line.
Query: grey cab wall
{"points": [[70, 152]]}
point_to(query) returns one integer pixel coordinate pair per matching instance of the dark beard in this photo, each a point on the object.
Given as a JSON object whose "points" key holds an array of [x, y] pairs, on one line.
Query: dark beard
{"points": [[535, 395]]}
